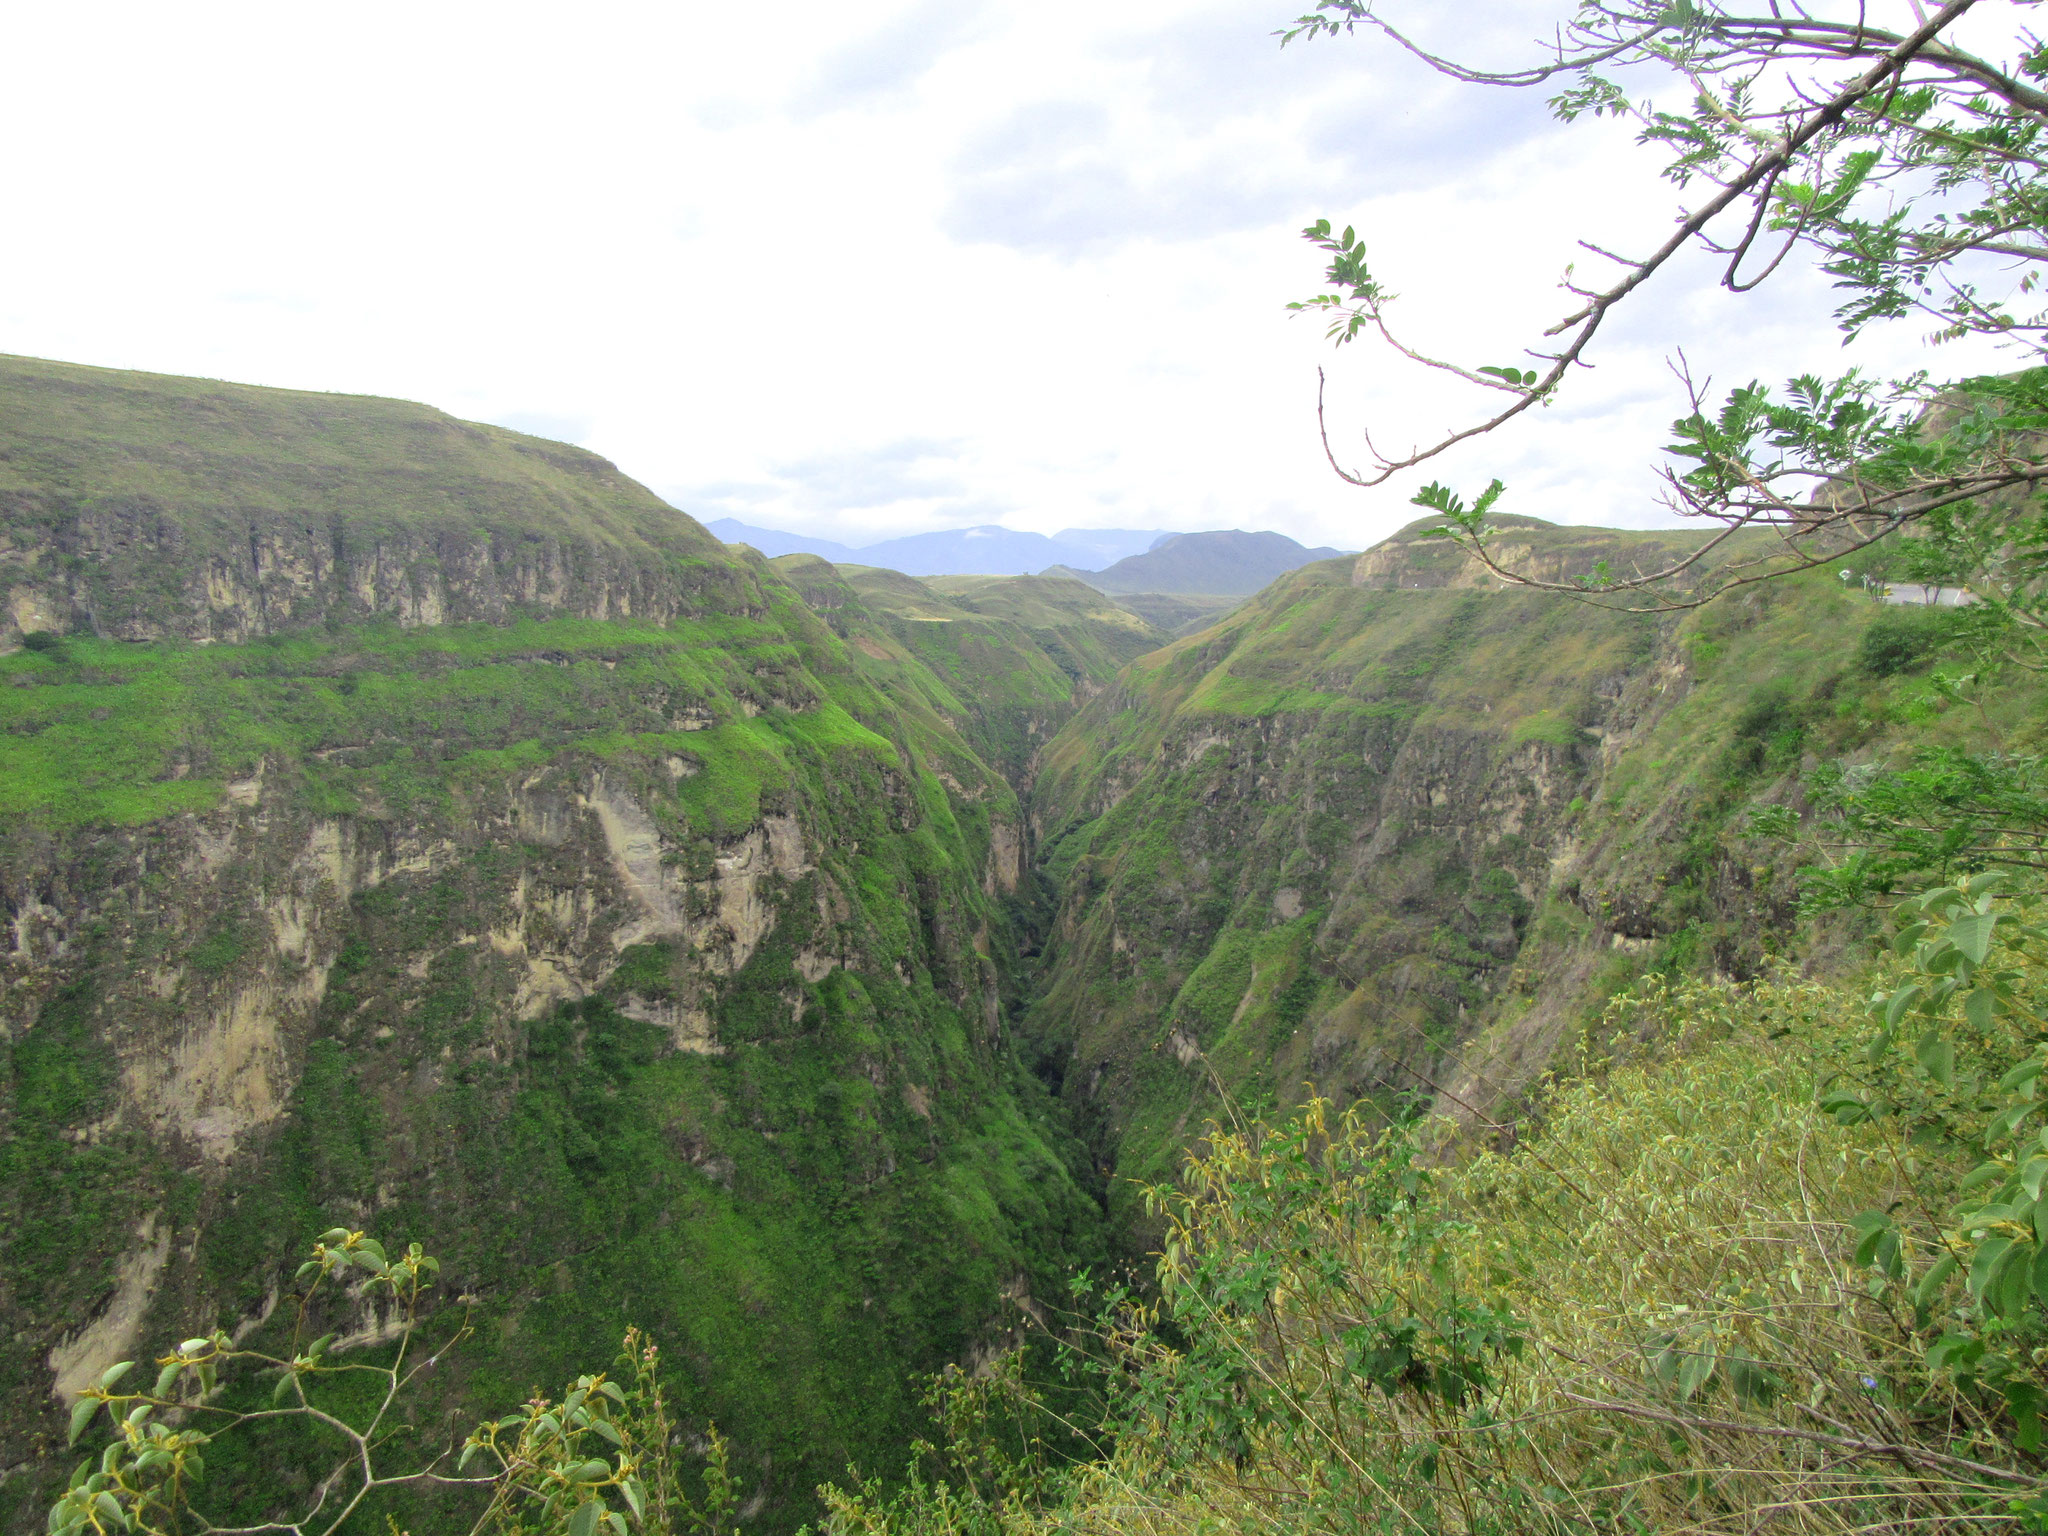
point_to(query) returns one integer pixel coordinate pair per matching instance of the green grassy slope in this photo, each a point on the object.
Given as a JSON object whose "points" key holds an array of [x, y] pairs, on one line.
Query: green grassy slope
{"points": [[145, 506], [649, 968], [202, 448], [1001, 659]]}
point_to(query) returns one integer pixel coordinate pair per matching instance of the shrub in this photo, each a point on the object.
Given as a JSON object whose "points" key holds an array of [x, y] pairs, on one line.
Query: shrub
{"points": [[45, 643], [1901, 639]]}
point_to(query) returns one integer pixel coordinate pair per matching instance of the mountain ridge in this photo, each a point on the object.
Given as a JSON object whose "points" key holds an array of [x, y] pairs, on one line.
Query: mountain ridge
{"points": [[985, 549], [1227, 563]]}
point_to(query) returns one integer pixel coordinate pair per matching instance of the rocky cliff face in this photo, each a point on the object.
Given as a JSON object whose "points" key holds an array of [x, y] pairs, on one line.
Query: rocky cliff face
{"points": [[1393, 832], [511, 868]]}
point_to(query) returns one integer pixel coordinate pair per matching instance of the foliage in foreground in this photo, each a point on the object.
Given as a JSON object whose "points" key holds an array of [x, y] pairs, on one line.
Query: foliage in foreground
{"points": [[1908, 166], [600, 1461], [1709, 1296]]}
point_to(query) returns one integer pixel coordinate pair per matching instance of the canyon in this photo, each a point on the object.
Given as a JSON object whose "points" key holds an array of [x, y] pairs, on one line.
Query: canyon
{"points": [[410, 825]]}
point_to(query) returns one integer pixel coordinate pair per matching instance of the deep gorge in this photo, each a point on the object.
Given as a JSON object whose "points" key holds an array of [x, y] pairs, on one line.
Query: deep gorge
{"points": [[414, 826]]}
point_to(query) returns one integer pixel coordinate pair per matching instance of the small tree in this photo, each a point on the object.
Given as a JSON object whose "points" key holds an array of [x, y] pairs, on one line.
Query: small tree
{"points": [[600, 1462]]}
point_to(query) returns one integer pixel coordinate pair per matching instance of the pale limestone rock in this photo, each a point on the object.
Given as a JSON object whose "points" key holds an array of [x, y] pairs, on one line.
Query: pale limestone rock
{"points": [[78, 1360]]}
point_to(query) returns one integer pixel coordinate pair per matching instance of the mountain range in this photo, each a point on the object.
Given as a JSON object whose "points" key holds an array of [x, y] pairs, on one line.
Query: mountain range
{"points": [[1121, 561]]}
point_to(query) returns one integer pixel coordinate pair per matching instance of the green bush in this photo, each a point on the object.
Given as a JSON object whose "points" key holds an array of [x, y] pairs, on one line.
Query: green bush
{"points": [[1901, 639], [44, 643]]}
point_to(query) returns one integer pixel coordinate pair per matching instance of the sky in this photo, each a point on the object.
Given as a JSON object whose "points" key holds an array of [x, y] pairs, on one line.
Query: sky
{"points": [[872, 269]]}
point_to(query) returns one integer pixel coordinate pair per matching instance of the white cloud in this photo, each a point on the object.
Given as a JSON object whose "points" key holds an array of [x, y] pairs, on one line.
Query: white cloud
{"points": [[902, 266]]}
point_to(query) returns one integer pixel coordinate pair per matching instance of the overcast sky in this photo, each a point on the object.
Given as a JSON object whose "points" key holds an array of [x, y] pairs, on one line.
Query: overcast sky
{"points": [[858, 270]]}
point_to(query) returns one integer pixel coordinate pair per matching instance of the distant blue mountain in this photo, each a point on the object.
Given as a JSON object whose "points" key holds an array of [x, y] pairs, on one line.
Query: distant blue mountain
{"points": [[773, 541], [984, 551]]}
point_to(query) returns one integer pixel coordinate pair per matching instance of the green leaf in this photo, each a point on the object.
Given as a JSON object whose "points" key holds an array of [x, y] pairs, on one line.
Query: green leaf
{"points": [[2023, 1402], [166, 1379], [1931, 1283], [584, 1521], [1978, 1008], [1972, 935], [636, 1497], [1902, 1000], [2012, 1280], [1985, 1264], [1846, 1108], [1697, 1370], [2021, 1075], [2007, 1120], [114, 1373], [1979, 1176], [2033, 1173], [1874, 1225], [1752, 1382], [81, 1415], [616, 1521], [1937, 1057]]}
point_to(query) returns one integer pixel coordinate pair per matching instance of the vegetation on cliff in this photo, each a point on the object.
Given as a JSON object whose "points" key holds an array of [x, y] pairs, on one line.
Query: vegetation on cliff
{"points": [[1391, 830], [421, 827]]}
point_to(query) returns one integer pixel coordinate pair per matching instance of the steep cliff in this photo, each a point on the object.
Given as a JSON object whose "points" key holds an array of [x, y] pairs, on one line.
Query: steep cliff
{"points": [[417, 826], [1395, 832]]}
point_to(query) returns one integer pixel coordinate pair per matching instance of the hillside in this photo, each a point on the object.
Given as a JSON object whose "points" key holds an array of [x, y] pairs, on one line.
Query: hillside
{"points": [[139, 507], [422, 827], [1001, 659], [1398, 833], [1219, 565]]}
